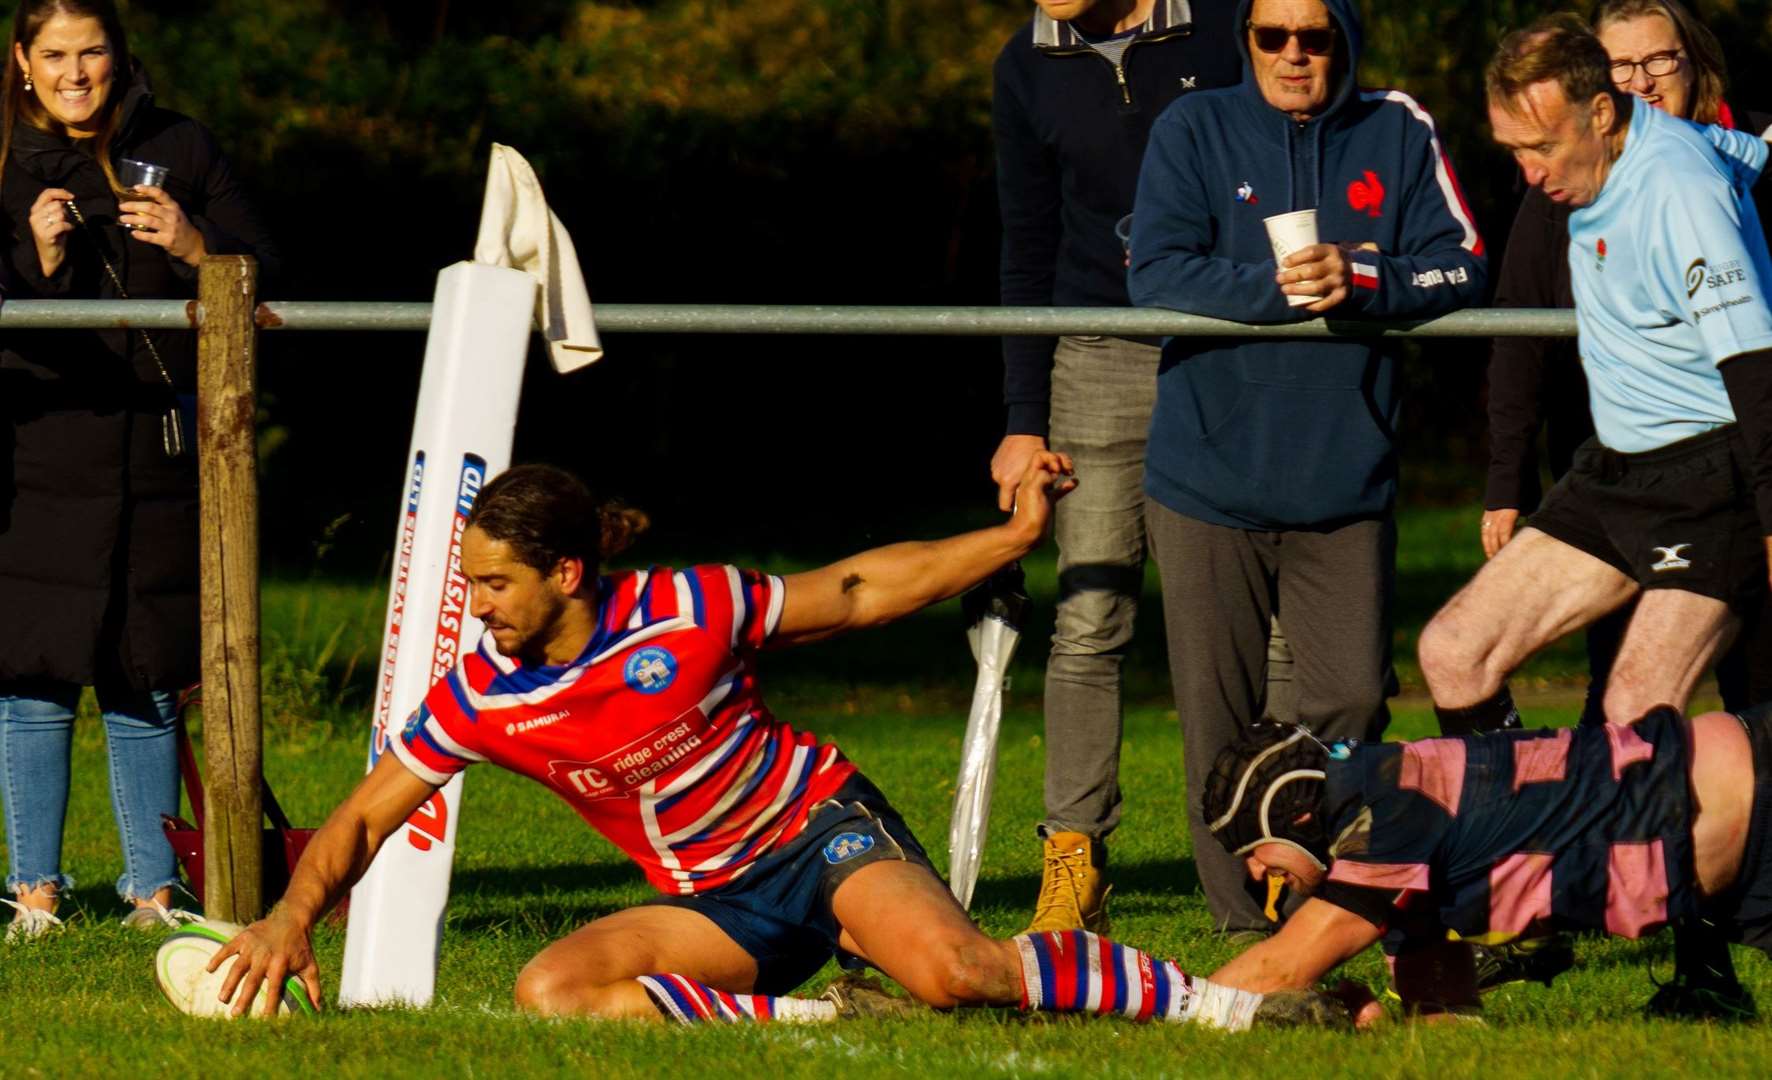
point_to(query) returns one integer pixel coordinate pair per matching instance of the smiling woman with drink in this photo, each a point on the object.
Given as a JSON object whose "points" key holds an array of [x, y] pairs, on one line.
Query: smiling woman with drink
{"points": [[98, 501]]}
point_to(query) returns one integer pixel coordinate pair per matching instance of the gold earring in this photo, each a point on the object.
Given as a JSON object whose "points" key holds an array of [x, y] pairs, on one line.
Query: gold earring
{"points": [[28, 85]]}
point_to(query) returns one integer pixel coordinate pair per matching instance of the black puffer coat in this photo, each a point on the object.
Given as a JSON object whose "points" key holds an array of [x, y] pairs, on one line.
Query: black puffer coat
{"points": [[98, 526]]}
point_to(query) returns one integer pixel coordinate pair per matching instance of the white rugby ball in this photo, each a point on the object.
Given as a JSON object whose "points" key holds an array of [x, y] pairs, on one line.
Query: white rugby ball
{"points": [[179, 970]]}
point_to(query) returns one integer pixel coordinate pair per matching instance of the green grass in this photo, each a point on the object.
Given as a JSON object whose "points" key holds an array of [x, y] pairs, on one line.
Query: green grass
{"points": [[527, 871]]}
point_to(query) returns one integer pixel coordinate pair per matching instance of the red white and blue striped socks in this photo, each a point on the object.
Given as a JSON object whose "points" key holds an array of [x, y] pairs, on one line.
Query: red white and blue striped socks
{"points": [[689, 1002], [1076, 971]]}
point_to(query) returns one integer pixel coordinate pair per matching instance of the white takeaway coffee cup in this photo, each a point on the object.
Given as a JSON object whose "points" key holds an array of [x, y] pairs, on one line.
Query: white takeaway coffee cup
{"points": [[1288, 233]]}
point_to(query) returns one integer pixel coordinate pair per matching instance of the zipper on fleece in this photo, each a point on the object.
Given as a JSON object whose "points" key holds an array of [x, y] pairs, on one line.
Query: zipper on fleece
{"points": [[1120, 68]]}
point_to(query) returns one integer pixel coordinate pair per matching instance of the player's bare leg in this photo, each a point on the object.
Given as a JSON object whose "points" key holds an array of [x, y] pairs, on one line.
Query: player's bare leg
{"points": [[593, 971], [1535, 590], [903, 920], [1670, 643]]}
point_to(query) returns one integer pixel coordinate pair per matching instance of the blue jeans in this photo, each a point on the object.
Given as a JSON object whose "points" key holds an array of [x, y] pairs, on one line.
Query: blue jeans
{"points": [[36, 736]]}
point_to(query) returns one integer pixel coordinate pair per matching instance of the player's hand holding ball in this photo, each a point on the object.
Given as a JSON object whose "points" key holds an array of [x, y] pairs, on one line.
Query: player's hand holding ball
{"points": [[269, 951], [194, 970]]}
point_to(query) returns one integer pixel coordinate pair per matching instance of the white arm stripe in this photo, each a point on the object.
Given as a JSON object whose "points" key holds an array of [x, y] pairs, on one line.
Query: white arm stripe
{"points": [[1442, 167], [739, 610], [777, 598]]}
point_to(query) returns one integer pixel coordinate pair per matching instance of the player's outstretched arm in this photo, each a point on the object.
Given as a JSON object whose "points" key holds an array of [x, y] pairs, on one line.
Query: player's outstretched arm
{"points": [[889, 583], [1317, 938], [339, 853]]}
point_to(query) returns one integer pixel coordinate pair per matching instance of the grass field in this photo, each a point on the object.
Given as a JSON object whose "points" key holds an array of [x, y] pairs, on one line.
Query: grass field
{"points": [[82, 1002]]}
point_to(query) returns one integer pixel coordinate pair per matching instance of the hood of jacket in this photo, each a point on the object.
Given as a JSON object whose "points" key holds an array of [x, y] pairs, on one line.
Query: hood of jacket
{"points": [[53, 158], [1350, 44]]}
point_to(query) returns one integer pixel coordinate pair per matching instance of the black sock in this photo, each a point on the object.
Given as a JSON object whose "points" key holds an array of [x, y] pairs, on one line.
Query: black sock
{"points": [[1701, 953], [1494, 713], [1593, 706]]}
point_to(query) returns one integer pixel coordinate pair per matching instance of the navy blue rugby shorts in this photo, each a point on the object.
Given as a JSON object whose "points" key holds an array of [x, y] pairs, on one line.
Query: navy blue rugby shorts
{"points": [[779, 911]]}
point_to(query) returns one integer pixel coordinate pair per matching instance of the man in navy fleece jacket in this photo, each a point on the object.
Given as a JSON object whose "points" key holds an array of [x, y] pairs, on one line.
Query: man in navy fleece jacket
{"points": [[1271, 470]]}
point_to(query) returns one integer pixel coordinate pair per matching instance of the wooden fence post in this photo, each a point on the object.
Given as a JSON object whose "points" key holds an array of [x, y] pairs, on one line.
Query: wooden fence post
{"points": [[227, 460]]}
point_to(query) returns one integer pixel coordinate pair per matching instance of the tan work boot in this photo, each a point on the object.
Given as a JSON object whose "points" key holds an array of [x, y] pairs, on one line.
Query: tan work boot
{"points": [[1073, 885]]}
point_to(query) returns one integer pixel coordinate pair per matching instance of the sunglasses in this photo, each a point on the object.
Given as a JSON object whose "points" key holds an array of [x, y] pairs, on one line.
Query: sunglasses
{"points": [[1315, 41]]}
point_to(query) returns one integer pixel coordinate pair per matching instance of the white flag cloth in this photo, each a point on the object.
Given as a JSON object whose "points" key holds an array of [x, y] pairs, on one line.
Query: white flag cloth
{"points": [[995, 611], [517, 230]]}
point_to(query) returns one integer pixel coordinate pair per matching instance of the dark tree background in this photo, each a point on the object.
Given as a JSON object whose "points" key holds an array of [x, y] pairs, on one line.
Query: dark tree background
{"points": [[773, 151]]}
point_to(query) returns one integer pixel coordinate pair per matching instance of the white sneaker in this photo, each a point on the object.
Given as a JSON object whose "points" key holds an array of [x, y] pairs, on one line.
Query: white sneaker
{"points": [[30, 922], [157, 916]]}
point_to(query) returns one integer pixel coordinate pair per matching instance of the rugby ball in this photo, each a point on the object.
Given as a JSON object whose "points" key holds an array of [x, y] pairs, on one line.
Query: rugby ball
{"points": [[179, 972]]}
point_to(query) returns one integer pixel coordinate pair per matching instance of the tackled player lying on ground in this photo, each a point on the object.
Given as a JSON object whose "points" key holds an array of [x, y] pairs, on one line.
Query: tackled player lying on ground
{"points": [[1437, 844], [634, 696]]}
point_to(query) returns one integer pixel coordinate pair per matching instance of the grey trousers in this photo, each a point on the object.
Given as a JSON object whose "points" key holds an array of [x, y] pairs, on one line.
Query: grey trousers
{"points": [[1221, 589], [1103, 390]]}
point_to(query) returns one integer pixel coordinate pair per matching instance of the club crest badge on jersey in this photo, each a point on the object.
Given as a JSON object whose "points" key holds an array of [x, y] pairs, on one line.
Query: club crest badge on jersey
{"points": [[413, 723], [650, 670], [846, 846]]}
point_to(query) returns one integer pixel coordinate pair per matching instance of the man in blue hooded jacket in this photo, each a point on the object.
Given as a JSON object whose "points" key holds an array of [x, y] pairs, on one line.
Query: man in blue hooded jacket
{"points": [[1271, 469]]}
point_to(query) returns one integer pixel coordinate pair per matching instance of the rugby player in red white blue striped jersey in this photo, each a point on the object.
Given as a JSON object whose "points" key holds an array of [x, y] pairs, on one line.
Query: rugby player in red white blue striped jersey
{"points": [[634, 697]]}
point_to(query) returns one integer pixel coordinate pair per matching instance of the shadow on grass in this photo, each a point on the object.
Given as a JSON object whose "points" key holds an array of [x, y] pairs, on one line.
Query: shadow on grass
{"points": [[565, 895], [97, 904]]}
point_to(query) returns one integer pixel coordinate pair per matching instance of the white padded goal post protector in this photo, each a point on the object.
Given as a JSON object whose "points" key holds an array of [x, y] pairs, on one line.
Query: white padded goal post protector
{"points": [[461, 437]]}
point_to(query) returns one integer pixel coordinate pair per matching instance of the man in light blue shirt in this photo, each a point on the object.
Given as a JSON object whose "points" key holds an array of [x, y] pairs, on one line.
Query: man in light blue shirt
{"points": [[1673, 497], [1678, 288]]}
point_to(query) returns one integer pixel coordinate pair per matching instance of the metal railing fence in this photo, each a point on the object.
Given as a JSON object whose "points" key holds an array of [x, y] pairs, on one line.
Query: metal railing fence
{"points": [[796, 319]]}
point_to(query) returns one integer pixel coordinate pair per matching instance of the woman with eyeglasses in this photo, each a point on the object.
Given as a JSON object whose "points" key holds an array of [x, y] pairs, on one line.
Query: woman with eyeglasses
{"points": [[1662, 54]]}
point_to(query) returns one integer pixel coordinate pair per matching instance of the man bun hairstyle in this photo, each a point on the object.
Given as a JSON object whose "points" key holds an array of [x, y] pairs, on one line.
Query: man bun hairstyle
{"points": [[546, 514], [1262, 785], [1557, 48]]}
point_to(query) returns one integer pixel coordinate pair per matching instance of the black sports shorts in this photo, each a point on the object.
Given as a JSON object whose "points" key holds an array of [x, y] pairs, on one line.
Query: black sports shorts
{"points": [[1681, 517]]}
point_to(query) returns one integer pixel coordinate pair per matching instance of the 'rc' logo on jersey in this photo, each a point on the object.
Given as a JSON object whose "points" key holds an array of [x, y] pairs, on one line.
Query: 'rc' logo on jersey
{"points": [[650, 670]]}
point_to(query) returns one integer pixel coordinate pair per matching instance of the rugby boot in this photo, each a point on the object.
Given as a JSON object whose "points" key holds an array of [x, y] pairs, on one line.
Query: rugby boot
{"points": [[1704, 985], [1301, 1008], [858, 996], [1539, 959], [1699, 998], [1073, 886]]}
